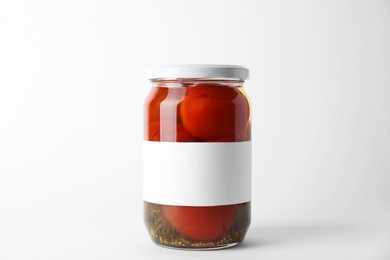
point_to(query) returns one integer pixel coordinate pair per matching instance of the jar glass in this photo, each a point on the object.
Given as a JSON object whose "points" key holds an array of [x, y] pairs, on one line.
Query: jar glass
{"points": [[197, 156]]}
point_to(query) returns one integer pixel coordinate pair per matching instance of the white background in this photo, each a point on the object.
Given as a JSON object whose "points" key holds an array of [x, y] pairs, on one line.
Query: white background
{"points": [[72, 85]]}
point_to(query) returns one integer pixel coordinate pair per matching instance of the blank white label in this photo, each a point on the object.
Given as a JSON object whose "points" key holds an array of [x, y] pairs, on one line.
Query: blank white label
{"points": [[196, 174]]}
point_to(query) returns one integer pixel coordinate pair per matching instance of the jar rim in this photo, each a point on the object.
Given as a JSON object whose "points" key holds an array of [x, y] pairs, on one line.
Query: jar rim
{"points": [[198, 71]]}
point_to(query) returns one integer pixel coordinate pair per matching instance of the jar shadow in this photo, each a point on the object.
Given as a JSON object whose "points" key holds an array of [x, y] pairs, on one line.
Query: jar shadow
{"points": [[274, 235]]}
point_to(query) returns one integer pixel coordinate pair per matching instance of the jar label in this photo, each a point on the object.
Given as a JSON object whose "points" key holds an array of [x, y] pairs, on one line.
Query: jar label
{"points": [[197, 174]]}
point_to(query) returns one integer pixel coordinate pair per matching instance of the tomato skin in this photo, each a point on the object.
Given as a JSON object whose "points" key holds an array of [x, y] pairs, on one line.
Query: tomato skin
{"points": [[171, 132], [201, 223], [152, 103], [168, 128], [244, 135], [212, 112]]}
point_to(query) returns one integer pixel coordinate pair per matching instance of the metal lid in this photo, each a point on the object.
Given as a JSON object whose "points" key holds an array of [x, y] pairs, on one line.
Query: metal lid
{"points": [[199, 71]]}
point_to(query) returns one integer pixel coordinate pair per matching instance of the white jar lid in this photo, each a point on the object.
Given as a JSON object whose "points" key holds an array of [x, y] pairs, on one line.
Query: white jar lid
{"points": [[199, 71]]}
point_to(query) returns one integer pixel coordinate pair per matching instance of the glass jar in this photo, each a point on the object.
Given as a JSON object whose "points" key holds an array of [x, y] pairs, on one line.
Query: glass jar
{"points": [[197, 156]]}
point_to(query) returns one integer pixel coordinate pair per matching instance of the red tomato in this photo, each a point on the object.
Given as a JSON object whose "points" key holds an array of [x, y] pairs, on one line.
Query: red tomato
{"points": [[168, 132], [214, 111], [201, 223], [153, 101], [244, 135]]}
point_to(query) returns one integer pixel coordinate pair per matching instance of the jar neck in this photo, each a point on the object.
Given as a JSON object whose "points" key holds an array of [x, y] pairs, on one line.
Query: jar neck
{"points": [[188, 82]]}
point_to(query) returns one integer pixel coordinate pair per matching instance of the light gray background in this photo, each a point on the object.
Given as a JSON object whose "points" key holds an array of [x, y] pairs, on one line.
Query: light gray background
{"points": [[72, 85]]}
